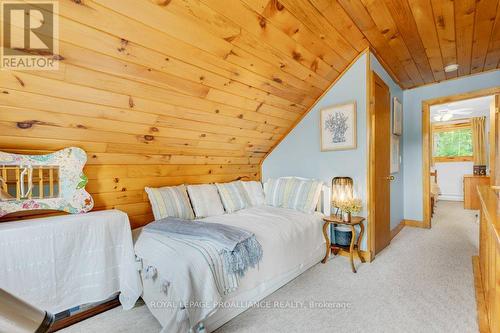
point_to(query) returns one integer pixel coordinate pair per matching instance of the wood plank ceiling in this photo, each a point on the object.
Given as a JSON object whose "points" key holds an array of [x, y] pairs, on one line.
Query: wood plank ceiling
{"points": [[418, 38], [162, 92]]}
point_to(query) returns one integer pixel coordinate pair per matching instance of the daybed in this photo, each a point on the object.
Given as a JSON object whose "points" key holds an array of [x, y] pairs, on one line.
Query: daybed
{"points": [[291, 240]]}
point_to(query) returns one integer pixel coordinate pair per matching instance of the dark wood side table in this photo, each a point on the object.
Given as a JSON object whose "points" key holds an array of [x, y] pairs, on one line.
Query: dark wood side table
{"points": [[355, 220]]}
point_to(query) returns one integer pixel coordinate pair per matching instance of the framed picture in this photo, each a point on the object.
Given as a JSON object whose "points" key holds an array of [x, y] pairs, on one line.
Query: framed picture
{"points": [[397, 117], [338, 127], [395, 154]]}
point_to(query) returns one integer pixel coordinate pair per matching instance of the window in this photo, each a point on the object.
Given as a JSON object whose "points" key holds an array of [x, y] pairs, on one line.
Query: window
{"points": [[452, 142]]}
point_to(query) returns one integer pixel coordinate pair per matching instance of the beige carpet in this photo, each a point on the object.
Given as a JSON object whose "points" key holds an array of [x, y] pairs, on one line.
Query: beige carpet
{"points": [[422, 282]]}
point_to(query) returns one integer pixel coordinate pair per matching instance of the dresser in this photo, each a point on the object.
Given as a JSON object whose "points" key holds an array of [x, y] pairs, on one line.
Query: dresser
{"points": [[471, 196], [487, 266]]}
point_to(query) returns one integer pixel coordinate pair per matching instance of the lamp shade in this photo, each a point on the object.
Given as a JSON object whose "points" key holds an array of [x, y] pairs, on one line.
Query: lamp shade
{"points": [[342, 189]]}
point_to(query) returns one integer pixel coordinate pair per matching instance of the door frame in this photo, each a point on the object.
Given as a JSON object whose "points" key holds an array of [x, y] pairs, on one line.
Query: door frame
{"points": [[426, 141], [370, 138], [370, 125]]}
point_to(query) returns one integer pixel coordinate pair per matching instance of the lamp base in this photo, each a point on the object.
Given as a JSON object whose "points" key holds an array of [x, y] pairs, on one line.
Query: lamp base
{"points": [[346, 216]]}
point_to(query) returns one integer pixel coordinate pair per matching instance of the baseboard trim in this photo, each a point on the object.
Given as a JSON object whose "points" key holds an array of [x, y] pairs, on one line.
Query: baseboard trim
{"points": [[482, 317], [415, 224], [398, 228], [445, 197]]}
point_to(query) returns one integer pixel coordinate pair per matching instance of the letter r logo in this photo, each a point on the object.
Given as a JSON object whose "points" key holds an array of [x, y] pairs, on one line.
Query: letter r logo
{"points": [[28, 27], [29, 35]]}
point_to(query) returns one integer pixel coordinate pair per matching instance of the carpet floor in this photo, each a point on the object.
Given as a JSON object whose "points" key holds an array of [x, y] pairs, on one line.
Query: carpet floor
{"points": [[422, 282]]}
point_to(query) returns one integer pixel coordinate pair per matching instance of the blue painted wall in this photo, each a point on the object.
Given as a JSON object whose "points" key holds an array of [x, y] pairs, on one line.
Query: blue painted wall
{"points": [[413, 207], [299, 154], [397, 185]]}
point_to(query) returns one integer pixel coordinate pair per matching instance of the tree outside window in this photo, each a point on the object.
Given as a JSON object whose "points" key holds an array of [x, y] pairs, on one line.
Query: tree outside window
{"points": [[453, 144]]}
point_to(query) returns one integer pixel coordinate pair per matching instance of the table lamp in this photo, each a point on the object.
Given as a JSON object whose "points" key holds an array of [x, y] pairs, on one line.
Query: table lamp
{"points": [[342, 189]]}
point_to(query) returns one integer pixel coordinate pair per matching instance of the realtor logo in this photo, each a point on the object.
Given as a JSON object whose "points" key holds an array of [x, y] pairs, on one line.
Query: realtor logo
{"points": [[30, 32]]}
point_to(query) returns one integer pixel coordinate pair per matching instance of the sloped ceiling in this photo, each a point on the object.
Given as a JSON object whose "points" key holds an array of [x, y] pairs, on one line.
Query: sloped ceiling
{"points": [[418, 38], [163, 92]]}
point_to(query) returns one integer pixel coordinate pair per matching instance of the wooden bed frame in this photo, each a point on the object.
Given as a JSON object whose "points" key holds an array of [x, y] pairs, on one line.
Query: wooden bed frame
{"points": [[70, 320]]}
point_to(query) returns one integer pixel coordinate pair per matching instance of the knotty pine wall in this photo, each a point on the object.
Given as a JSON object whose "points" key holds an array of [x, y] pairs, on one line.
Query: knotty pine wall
{"points": [[169, 92], [161, 92], [128, 147]]}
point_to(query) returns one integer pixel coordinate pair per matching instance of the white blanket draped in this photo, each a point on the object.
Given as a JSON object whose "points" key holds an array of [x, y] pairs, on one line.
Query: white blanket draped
{"points": [[288, 237], [192, 288], [60, 262]]}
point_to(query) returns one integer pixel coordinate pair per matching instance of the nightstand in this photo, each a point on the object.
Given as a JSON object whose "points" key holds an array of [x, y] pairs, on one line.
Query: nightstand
{"points": [[355, 220]]}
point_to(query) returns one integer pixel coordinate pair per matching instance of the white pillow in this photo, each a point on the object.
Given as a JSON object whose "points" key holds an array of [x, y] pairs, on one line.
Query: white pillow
{"points": [[255, 192], [205, 200]]}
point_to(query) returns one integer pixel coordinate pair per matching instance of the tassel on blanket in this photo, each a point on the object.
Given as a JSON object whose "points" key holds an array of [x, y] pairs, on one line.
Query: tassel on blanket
{"points": [[164, 287], [182, 314], [201, 328], [150, 272], [245, 255]]}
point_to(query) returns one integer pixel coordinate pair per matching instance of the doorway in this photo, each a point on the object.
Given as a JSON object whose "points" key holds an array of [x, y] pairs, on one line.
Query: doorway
{"points": [[428, 150], [380, 190]]}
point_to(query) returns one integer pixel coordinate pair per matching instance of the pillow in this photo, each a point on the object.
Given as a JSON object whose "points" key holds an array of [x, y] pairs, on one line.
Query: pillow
{"points": [[170, 201], [255, 192], [205, 200], [274, 190], [295, 193], [234, 196]]}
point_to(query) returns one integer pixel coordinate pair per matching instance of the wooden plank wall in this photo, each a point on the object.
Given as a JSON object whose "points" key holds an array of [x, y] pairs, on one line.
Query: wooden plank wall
{"points": [[162, 92], [118, 183], [140, 127], [127, 148], [170, 92]]}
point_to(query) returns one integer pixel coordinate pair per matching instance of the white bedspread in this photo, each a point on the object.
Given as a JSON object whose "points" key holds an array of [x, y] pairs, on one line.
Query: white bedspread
{"points": [[60, 262], [289, 239], [184, 275]]}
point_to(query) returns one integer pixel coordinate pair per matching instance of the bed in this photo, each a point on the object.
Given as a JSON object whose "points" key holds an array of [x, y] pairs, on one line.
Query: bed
{"points": [[62, 262], [292, 242]]}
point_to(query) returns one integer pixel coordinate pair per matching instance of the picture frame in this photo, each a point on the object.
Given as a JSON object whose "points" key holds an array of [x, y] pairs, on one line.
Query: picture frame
{"points": [[338, 127], [397, 117], [395, 154]]}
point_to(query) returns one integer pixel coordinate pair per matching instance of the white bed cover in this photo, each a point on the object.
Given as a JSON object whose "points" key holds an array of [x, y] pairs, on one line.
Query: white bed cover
{"points": [[57, 263], [292, 242]]}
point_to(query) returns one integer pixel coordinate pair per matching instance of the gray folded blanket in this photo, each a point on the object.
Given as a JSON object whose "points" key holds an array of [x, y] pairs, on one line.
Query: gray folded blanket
{"points": [[239, 247]]}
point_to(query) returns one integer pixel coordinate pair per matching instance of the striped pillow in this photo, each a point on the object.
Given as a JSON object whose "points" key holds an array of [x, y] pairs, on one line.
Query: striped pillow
{"points": [[295, 193], [255, 192], [234, 196], [170, 201], [205, 199]]}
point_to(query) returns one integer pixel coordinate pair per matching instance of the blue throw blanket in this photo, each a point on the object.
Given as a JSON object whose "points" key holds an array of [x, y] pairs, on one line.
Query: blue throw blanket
{"points": [[239, 247]]}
